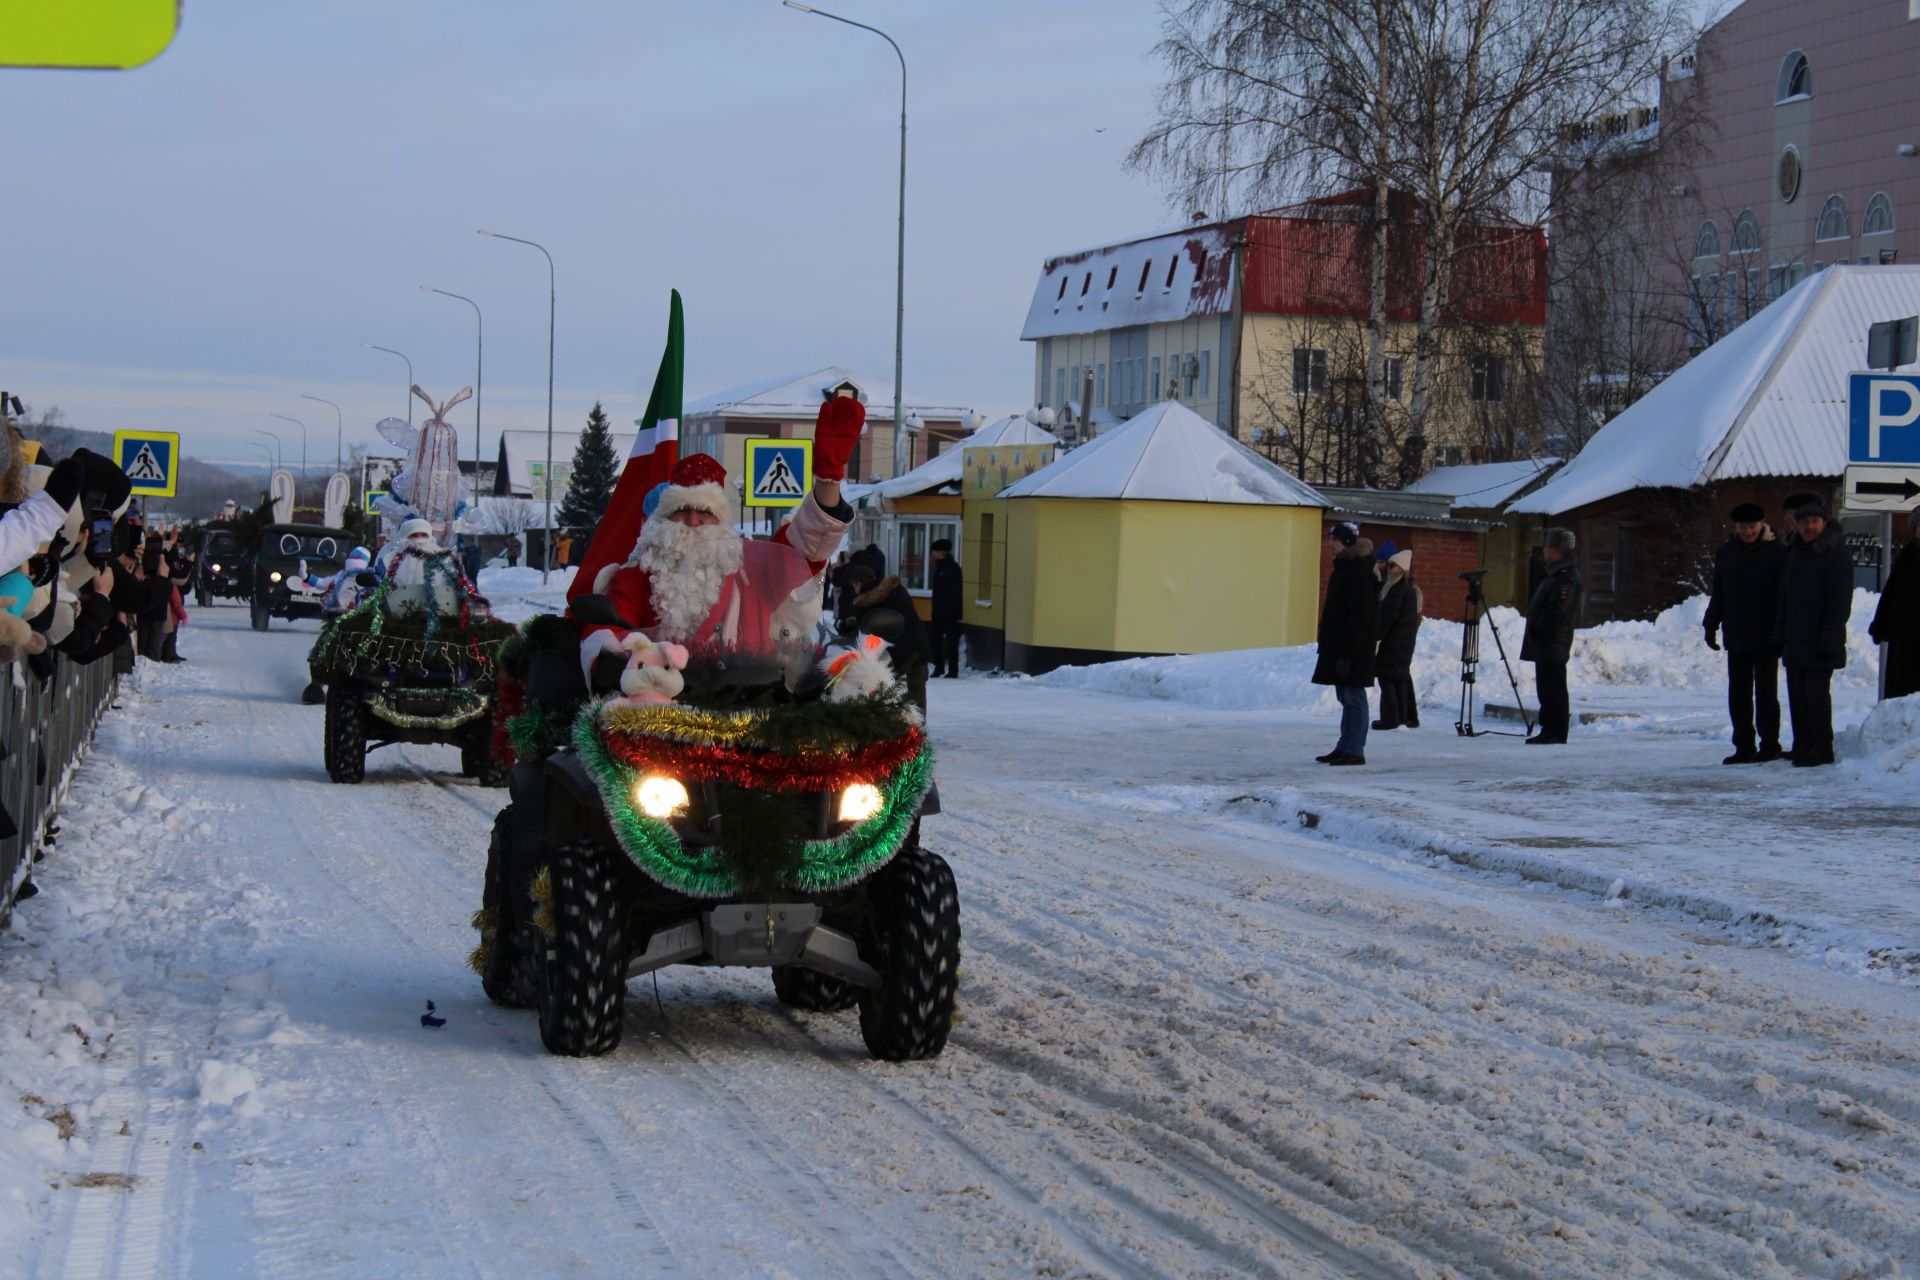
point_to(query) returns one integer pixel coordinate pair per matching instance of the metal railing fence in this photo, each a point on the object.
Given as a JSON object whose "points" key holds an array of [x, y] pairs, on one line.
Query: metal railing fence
{"points": [[44, 730]]}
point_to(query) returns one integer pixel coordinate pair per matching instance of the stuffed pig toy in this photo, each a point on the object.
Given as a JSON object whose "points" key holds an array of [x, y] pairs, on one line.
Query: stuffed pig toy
{"points": [[652, 677]]}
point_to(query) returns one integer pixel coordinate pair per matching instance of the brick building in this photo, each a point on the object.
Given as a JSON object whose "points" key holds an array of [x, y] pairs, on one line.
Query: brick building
{"points": [[1444, 545]]}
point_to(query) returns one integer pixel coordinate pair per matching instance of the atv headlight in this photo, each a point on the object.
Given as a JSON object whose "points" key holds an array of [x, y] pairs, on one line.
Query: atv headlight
{"points": [[274, 576], [660, 797], [216, 568], [860, 801]]}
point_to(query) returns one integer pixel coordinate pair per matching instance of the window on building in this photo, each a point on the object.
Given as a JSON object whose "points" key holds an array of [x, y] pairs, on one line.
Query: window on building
{"points": [[1113, 273], [1879, 216], [1449, 455], [1489, 379], [1746, 233], [1086, 284], [1199, 266], [1063, 288], [1206, 373], [1707, 243], [1393, 375], [1833, 220], [1796, 272], [1755, 298], [1145, 268], [1100, 385], [1309, 371], [983, 562], [912, 537], [1059, 388], [1154, 391], [1796, 78], [1171, 268]]}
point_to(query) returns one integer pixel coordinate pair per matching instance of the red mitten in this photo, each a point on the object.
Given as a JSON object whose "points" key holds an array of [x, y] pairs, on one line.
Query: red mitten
{"points": [[835, 434]]}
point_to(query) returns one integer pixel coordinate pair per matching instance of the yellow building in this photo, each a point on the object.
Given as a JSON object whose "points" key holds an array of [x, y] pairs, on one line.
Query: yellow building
{"points": [[1162, 535]]}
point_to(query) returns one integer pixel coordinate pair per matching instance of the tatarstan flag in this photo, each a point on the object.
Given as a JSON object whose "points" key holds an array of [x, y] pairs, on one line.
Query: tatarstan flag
{"points": [[655, 449]]}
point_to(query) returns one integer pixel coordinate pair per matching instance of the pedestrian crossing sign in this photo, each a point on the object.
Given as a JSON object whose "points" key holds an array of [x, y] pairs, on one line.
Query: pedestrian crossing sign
{"points": [[371, 496], [779, 472], [151, 460]]}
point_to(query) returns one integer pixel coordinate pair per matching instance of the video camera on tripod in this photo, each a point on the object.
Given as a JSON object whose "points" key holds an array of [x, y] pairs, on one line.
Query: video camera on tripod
{"points": [[1475, 611]]}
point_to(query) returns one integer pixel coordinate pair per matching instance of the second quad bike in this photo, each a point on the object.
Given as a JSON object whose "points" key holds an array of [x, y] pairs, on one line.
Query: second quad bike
{"points": [[766, 816], [219, 572]]}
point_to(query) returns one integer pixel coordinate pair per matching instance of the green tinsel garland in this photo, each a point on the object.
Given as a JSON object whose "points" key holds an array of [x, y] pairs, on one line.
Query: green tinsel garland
{"points": [[821, 866], [541, 729], [368, 638]]}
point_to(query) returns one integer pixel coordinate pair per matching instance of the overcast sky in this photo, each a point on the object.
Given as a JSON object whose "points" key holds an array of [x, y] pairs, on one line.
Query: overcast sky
{"points": [[193, 244]]}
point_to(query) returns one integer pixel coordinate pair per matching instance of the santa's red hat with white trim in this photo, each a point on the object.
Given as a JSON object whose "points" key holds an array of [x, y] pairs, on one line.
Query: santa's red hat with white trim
{"points": [[697, 482]]}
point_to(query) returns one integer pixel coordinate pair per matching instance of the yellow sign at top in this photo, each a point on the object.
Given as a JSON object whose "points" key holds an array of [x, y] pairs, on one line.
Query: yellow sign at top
{"points": [[98, 35]]}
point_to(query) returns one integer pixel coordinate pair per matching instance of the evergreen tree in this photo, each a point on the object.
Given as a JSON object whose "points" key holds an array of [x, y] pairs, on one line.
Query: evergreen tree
{"points": [[595, 471]]}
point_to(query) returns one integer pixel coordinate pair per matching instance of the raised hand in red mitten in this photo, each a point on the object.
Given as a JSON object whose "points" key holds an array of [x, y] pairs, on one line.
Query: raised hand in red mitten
{"points": [[835, 434]]}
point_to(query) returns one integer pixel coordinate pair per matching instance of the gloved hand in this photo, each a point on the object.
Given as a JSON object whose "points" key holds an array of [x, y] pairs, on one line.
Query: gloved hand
{"points": [[1712, 643], [63, 486], [836, 432]]}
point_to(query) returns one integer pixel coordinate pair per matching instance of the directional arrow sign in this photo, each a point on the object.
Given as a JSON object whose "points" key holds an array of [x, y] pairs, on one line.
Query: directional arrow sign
{"points": [[1881, 488]]}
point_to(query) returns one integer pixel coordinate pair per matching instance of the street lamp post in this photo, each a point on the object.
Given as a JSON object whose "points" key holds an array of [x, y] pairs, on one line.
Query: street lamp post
{"points": [[406, 414], [479, 366], [339, 429], [303, 439], [900, 255], [546, 557]]}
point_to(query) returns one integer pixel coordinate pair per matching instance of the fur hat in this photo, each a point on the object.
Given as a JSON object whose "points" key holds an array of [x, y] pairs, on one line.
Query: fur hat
{"points": [[1346, 533], [1561, 540], [414, 527], [1402, 560], [1798, 499], [942, 544], [1813, 506], [1748, 513], [696, 482]]}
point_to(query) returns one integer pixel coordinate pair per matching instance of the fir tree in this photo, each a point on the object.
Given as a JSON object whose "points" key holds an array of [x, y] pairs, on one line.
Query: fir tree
{"points": [[595, 470]]}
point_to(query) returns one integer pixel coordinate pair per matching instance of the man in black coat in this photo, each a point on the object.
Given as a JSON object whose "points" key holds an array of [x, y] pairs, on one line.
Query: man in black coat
{"points": [[1349, 626], [1742, 610], [947, 584], [1896, 623], [1548, 643], [1816, 598]]}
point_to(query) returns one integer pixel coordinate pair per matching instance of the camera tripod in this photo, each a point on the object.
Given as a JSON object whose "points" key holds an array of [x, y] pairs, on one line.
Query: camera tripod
{"points": [[1470, 661]]}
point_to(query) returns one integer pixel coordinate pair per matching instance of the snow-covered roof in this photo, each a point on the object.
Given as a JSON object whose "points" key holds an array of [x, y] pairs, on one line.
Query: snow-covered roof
{"points": [[798, 395], [1484, 484], [1167, 453], [1769, 399], [945, 469], [519, 450], [1129, 283]]}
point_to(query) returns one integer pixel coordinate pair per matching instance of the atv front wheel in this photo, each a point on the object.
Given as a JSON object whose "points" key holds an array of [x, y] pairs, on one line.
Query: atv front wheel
{"points": [[345, 742], [260, 613], [583, 971], [916, 949], [203, 596], [798, 987], [506, 970]]}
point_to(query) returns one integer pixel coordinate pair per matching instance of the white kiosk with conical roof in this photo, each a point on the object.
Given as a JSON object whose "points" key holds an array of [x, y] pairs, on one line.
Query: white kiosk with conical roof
{"points": [[1162, 535]]}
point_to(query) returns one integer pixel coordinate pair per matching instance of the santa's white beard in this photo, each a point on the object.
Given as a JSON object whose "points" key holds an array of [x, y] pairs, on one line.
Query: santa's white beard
{"points": [[686, 568]]}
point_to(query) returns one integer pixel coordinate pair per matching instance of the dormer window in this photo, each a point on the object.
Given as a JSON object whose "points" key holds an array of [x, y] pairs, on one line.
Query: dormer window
{"points": [[1145, 267], [848, 386], [1112, 275], [1086, 284], [1171, 268], [1199, 266], [1796, 78]]}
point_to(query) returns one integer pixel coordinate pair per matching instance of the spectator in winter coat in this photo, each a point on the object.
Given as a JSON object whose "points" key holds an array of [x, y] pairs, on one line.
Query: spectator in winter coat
{"points": [[1816, 597], [912, 651], [1896, 623], [1548, 643], [1348, 627], [947, 584], [1742, 610], [1400, 605]]}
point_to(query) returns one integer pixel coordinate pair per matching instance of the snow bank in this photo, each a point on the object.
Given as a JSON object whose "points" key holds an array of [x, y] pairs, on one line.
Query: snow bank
{"points": [[516, 594], [1611, 663], [1886, 745]]}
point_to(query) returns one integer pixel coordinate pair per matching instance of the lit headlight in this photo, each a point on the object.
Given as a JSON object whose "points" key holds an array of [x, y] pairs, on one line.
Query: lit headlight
{"points": [[860, 801], [274, 576], [216, 568], [660, 797]]}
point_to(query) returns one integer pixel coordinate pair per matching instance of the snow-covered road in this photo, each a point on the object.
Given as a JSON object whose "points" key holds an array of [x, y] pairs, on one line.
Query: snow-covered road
{"points": [[1199, 1038]]}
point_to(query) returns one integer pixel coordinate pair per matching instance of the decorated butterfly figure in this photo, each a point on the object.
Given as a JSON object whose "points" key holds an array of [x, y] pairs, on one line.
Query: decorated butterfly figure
{"points": [[428, 485]]}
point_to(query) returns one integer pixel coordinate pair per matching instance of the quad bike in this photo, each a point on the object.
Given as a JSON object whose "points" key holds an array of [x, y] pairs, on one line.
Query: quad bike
{"points": [[406, 678], [761, 819]]}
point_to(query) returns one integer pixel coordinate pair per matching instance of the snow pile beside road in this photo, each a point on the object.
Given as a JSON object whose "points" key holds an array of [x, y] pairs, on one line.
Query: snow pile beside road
{"points": [[1886, 744], [516, 594], [1667, 654]]}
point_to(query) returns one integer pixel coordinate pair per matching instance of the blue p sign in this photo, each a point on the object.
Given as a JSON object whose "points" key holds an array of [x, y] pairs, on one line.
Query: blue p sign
{"points": [[1883, 418]]}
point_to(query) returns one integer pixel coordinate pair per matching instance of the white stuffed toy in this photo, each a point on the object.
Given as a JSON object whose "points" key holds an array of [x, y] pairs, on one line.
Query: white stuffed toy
{"points": [[652, 677], [859, 672]]}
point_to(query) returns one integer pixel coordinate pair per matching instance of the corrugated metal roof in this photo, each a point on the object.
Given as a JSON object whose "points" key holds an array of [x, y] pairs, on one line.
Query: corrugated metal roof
{"points": [[1398, 506], [946, 468], [798, 395], [1483, 484], [1167, 453], [1769, 399], [1073, 294]]}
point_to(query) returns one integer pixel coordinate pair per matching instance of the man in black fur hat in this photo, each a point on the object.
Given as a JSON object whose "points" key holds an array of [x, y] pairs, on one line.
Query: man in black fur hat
{"points": [[1741, 611], [1816, 598]]}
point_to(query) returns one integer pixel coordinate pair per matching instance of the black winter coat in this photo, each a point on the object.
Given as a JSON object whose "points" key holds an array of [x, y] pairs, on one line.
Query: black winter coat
{"points": [[1399, 625], [1896, 623], [1746, 594], [1349, 624], [889, 594], [1551, 614], [947, 585], [1816, 598]]}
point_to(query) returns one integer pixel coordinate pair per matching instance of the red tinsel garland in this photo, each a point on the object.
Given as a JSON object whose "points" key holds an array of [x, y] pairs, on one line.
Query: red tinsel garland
{"points": [[765, 770], [509, 700]]}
